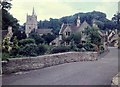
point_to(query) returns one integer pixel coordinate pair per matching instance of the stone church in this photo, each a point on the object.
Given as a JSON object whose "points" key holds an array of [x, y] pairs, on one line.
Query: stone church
{"points": [[32, 25]]}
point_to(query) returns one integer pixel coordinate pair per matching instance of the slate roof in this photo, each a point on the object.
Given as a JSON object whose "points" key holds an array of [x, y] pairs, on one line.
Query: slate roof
{"points": [[44, 31], [83, 26], [74, 28]]}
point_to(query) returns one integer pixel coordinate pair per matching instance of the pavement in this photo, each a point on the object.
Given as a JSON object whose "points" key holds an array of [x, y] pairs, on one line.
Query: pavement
{"points": [[98, 72]]}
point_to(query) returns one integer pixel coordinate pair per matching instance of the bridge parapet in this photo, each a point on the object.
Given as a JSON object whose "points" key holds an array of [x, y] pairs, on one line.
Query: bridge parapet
{"points": [[31, 63]]}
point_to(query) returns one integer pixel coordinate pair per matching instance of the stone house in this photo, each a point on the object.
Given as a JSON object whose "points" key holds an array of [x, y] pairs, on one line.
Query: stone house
{"points": [[68, 29], [112, 37]]}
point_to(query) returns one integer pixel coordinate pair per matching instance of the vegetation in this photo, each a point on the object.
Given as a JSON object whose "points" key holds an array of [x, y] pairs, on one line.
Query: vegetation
{"points": [[102, 21], [60, 49], [36, 45], [8, 19], [38, 39], [39, 45]]}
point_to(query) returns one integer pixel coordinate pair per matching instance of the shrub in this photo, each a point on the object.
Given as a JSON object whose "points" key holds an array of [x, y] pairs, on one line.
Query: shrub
{"points": [[89, 47], [73, 47], [14, 52], [24, 42], [42, 49], [101, 49], [60, 49], [29, 50], [38, 39], [79, 46], [5, 56]]}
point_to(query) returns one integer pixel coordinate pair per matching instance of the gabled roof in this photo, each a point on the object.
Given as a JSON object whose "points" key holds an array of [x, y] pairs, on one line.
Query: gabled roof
{"points": [[83, 26], [44, 31], [73, 28]]}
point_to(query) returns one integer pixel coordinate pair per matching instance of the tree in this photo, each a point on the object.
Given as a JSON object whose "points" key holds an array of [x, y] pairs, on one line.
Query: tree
{"points": [[102, 21], [15, 48], [77, 37], [48, 38], [116, 19], [19, 35], [7, 18], [93, 36], [5, 45], [38, 39]]}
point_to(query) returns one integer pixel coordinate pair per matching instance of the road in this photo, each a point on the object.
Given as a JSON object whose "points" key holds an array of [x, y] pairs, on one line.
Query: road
{"points": [[98, 72]]}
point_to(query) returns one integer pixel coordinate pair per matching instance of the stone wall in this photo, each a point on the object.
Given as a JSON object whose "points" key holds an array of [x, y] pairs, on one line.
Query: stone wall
{"points": [[30, 63], [115, 81]]}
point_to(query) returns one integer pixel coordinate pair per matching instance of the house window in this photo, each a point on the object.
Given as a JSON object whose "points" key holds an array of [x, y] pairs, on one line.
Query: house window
{"points": [[68, 33]]}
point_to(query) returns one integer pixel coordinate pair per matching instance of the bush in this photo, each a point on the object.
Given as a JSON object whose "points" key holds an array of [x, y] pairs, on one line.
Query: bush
{"points": [[38, 39], [79, 46], [29, 50], [14, 52], [73, 47], [89, 47], [42, 49], [60, 49], [5, 56], [101, 49], [24, 42]]}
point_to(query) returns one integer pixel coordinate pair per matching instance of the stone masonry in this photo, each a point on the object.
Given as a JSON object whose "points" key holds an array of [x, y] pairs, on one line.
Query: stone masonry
{"points": [[31, 63]]}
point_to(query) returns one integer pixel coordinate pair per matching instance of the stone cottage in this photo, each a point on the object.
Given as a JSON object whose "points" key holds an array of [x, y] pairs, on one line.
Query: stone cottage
{"points": [[68, 29]]}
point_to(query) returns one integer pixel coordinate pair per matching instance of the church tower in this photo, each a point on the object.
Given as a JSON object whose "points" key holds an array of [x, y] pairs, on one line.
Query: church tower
{"points": [[31, 23], [78, 21]]}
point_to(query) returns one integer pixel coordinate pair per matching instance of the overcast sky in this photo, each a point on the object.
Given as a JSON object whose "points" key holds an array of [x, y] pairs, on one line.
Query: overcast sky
{"points": [[46, 9]]}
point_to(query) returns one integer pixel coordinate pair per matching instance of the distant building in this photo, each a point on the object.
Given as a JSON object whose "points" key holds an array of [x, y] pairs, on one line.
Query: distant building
{"points": [[31, 25], [112, 37], [44, 31], [68, 29]]}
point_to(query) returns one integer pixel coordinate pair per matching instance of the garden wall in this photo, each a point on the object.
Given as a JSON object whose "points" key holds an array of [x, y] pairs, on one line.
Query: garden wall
{"points": [[30, 63]]}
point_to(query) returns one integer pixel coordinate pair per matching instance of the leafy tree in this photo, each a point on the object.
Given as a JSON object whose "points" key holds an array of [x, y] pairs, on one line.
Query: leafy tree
{"points": [[19, 35], [38, 39], [116, 19], [102, 21], [48, 38], [77, 37], [93, 36], [15, 48], [7, 18], [5, 45]]}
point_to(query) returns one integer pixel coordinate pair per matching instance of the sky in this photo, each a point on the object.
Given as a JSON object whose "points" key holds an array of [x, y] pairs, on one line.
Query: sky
{"points": [[46, 9]]}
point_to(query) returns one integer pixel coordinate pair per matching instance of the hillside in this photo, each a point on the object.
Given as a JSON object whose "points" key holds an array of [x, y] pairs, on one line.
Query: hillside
{"points": [[102, 21]]}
